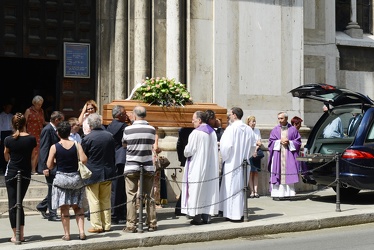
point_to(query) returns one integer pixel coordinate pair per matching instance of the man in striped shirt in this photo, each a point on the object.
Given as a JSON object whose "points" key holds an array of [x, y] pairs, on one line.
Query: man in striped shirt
{"points": [[139, 139]]}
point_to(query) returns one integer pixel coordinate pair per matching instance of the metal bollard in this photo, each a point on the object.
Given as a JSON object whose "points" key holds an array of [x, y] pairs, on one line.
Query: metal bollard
{"points": [[245, 174], [140, 221], [18, 204], [337, 183]]}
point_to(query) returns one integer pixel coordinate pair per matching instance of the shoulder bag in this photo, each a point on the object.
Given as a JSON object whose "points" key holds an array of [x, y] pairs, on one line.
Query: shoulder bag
{"points": [[83, 169], [68, 180]]}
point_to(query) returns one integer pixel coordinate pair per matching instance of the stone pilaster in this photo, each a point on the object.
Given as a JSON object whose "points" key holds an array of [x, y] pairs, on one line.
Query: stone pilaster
{"points": [[174, 43], [140, 41], [159, 43], [112, 37]]}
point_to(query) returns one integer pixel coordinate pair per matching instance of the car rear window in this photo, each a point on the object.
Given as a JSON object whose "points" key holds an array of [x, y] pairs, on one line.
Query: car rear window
{"points": [[370, 137]]}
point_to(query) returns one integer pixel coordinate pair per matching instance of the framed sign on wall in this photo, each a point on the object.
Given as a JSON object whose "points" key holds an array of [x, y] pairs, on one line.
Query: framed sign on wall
{"points": [[77, 60]]}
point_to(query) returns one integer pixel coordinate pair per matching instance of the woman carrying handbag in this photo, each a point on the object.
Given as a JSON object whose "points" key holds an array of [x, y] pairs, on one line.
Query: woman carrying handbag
{"points": [[63, 155]]}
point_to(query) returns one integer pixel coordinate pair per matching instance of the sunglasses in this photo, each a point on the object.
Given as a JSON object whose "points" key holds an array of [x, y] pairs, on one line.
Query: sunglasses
{"points": [[90, 109]]}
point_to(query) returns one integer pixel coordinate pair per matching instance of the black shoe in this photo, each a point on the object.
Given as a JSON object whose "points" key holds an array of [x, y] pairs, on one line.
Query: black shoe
{"points": [[87, 215], [308, 179], [54, 218], [193, 222], [45, 215]]}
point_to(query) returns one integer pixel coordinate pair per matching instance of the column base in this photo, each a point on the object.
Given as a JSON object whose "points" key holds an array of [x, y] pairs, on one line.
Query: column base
{"points": [[354, 32]]}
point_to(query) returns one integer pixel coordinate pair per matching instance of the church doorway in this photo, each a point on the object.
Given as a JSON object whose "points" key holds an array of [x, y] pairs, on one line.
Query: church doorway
{"points": [[23, 78]]}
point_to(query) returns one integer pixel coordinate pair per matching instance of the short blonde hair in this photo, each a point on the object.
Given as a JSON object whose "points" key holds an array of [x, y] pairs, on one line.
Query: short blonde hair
{"points": [[250, 118]]}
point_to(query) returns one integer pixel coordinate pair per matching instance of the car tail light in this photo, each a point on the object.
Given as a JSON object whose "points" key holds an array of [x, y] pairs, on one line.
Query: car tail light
{"points": [[356, 154], [328, 87]]}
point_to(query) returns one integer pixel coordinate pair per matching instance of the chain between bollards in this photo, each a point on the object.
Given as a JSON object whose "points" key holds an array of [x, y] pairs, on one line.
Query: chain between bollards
{"points": [[337, 183]]}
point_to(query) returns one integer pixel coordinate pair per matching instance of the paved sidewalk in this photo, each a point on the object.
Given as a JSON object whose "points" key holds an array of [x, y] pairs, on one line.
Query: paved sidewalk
{"points": [[305, 212]]}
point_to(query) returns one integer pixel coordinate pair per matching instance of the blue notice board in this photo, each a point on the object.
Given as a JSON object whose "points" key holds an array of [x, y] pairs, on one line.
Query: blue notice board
{"points": [[77, 60]]}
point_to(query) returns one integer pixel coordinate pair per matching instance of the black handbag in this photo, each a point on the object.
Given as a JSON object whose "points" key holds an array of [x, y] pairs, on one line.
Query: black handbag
{"points": [[256, 161], [260, 154]]}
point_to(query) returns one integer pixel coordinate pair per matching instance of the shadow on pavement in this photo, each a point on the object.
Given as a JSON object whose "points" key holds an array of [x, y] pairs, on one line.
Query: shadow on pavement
{"points": [[362, 198]]}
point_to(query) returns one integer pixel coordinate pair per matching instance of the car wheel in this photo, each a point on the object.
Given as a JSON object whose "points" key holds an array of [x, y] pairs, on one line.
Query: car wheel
{"points": [[347, 192]]}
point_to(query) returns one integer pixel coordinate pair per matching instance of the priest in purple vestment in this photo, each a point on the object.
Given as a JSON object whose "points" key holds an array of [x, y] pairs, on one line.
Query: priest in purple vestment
{"points": [[284, 146]]}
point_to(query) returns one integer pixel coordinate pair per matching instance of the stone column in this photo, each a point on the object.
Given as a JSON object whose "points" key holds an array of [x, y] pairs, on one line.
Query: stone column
{"points": [[120, 52], [140, 41], [200, 65], [159, 45], [112, 37], [353, 29], [173, 40]]}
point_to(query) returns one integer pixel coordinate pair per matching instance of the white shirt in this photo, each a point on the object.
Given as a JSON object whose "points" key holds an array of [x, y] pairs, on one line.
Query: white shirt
{"points": [[75, 137], [334, 129]]}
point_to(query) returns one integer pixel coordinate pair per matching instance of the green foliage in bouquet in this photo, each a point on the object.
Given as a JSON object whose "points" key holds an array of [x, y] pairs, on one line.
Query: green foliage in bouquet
{"points": [[163, 92]]}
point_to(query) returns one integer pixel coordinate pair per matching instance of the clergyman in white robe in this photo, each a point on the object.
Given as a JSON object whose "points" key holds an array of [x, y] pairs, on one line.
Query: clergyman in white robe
{"points": [[235, 146], [200, 186]]}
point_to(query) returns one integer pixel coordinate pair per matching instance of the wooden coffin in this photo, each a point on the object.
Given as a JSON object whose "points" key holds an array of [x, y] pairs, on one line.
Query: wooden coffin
{"points": [[166, 116]]}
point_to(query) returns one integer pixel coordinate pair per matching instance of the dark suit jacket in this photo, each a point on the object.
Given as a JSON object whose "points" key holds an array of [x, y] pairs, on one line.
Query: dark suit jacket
{"points": [[99, 146], [48, 137], [183, 134], [352, 131], [116, 129]]}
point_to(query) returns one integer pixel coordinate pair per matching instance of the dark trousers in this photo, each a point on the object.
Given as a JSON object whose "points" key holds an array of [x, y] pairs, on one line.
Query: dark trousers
{"points": [[47, 202], [119, 195], [11, 187], [163, 187]]}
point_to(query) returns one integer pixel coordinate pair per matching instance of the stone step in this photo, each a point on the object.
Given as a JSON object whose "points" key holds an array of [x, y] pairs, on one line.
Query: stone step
{"points": [[36, 192], [32, 192], [28, 204], [36, 180]]}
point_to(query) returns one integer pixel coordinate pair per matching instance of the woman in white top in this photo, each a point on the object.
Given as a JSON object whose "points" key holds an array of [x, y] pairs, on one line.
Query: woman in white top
{"points": [[255, 160], [89, 107]]}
